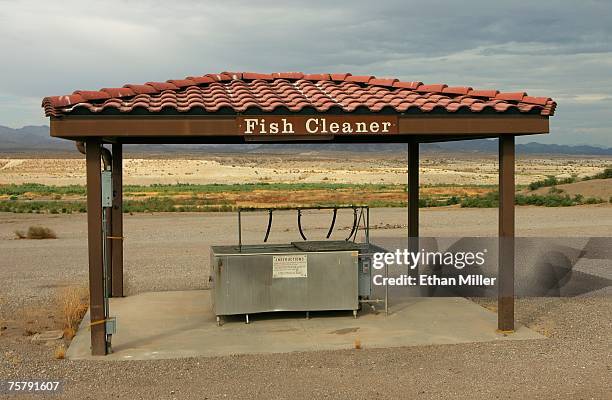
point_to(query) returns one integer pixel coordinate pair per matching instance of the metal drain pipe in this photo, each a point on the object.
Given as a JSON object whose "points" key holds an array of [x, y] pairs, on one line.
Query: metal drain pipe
{"points": [[107, 196], [107, 157]]}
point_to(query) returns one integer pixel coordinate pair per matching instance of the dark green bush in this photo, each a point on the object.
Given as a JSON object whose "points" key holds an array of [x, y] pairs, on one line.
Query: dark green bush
{"points": [[606, 174], [551, 181]]}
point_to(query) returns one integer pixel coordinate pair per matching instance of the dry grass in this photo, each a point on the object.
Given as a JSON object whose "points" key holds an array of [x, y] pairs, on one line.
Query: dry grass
{"points": [[21, 235], [36, 232], [72, 302], [3, 326], [60, 352], [29, 332]]}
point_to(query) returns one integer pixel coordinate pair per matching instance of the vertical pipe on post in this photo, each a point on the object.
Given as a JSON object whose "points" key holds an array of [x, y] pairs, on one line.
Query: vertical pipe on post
{"points": [[117, 222], [413, 190], [505, 313], [94, 239], [367, 232], [106, 249], [239, 230], [413, 200]]}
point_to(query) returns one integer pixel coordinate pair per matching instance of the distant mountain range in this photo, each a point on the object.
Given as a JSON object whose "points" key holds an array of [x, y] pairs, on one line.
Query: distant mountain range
{"points": [[37, 139], [30, 138]]}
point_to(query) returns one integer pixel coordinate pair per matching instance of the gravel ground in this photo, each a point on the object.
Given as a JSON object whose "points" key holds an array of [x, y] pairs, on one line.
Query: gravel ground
{"points": [[573, 364]]}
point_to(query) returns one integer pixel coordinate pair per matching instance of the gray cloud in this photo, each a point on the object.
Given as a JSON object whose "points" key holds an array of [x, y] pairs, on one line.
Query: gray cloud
{"points": [[561, 49]]}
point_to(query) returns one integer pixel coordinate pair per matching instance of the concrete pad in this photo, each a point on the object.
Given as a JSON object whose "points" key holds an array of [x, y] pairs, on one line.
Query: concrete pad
{"points": [[161, 325]]}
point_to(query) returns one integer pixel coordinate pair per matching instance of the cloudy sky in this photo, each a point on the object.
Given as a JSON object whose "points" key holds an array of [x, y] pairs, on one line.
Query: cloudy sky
{"points": [[561, 49]]}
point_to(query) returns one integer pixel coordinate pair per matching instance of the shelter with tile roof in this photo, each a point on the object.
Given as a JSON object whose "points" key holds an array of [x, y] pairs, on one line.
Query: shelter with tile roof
{"points": [[289, 107]]}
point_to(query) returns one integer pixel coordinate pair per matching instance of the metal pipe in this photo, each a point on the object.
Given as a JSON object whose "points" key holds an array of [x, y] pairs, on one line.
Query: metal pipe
{"points": [[331, 227], [367, 232], [106, 156], [105, 260], [358, 224], [339, 207], [299, 221], [269, 225], [239, 230], [386, 290], [354, 224]]}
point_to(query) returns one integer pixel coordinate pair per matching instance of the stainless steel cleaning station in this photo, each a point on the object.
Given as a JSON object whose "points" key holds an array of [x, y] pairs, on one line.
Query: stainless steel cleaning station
{"points": [[308, 275]]}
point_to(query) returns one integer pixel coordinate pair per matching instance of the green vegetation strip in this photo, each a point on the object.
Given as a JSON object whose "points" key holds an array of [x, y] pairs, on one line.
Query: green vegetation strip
{"points": [[182, 188], [164, 201]]}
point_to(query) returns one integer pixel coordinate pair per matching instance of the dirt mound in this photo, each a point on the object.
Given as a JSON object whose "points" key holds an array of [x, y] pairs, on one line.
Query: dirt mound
{"points": [[600, 188]]}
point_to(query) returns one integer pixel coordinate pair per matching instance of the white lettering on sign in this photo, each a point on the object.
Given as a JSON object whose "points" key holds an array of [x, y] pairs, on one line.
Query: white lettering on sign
{"points": [[259, 125], [320, 125], [290, 266], [316, 125]]}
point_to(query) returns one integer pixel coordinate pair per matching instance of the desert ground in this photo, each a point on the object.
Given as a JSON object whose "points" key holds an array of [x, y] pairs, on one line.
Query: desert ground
{"points": [[356, 168], [170, 252]]}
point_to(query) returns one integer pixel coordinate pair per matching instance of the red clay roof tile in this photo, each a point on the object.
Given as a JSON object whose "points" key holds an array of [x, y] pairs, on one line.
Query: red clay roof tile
{"points": [[483, 93], [118, 92], [62, 101], [162, 85], [294, 91], [142, 89], [512, 96], [316, 77], [407, 85], [255, 75], [536, 100], [456, 89], [383, 82], [92, 94], [181, 83], [339, 77], [431, 88], [288, 75], [234, 75], [359, 78]]}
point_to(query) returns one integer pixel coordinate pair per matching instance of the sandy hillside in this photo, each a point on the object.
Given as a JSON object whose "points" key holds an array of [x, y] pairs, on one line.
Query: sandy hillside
{"points": [[600, 188], [463, 169]]}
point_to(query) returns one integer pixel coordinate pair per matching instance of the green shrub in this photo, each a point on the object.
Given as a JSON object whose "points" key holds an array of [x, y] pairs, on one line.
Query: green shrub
{"points": [[488, 200], [593, 200], [491, 200], [551, 181], [605, 174], [453, 200]]}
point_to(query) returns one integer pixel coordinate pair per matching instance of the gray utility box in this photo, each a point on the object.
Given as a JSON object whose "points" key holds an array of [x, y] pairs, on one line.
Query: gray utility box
{"points": [[301, 276]]}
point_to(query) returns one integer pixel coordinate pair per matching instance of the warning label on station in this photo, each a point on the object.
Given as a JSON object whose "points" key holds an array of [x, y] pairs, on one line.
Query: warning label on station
{"points": [[290, 266]]}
